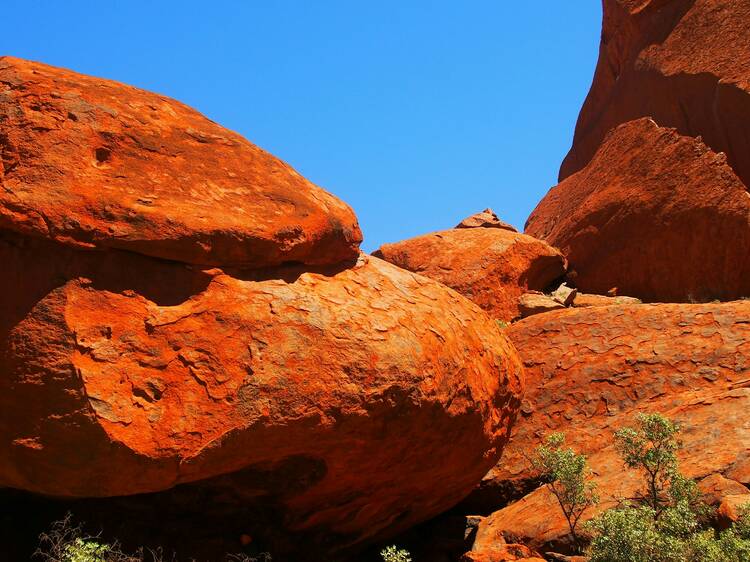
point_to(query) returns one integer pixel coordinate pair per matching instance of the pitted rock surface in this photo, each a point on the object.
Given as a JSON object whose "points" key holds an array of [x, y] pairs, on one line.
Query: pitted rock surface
{"points": [[98, 164], [367, 373]]}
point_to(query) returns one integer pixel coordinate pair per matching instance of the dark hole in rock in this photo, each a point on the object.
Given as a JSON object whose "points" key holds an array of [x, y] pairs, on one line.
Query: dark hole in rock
{"points": [[102, 154]]}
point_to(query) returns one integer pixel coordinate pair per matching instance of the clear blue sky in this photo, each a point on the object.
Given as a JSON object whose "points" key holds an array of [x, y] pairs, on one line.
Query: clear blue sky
{"points": [[416, 113]]}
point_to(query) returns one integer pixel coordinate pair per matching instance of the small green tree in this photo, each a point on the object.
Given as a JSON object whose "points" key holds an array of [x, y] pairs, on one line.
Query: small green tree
{"points": [[568, 477], [394, 554], [651, 447], [671, 524]]}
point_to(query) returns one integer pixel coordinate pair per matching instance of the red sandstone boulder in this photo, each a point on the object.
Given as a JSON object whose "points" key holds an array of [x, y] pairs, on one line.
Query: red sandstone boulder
{"points": [[267, 361], [536, 303], [732, 508], [716, 487], [582, 300], [320, 404], [590, 370], [658, 215], [98, 164], [363, 376], [685, 63], [491, 266], [495, 549]]}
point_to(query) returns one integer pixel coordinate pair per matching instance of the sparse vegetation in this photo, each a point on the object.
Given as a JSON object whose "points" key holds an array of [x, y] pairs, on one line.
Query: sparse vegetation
{"points": [[669, 522], [394, 554], [66, 541], [568, 477]]}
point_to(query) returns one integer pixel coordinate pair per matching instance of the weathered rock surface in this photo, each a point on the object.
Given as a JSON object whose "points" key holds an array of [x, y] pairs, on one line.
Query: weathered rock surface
{"points": [[494, 548], [490, 266], [97, 164], [731, 508], [564, 295], [658, 215], [584, 299], [716, 487], [530, 304], [307, 399], [360, 378], [685, 63], [589, 371], [485, 219]]}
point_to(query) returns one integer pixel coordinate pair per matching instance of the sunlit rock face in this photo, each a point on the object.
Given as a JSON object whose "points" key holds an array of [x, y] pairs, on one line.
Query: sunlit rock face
{"points": [[486, 262], [186, 320], [653, 195]]}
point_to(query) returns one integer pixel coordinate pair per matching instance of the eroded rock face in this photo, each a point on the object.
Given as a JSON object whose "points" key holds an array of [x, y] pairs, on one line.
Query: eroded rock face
{"points": [[491, 266], [537, 303], [98, 164], [360, 373], [685, 63], [322, 398], [590, 370], [653, 215]]}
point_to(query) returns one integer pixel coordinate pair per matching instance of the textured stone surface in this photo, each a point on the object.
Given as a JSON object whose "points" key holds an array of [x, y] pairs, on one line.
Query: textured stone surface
{"points": [[493, 548], [490, 266], [95, 163], [715, 487], [590, 370], [584, 299], [564, 295], [341, 387], [530, 304], [731, 508], [655, 215], [686, 63], [185, 318], [485, 219]]}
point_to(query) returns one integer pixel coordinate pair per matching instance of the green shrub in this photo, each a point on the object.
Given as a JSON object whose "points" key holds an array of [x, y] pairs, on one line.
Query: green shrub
{"points": [[671, 523], [393, 554], [568, 477], [81, 550]]}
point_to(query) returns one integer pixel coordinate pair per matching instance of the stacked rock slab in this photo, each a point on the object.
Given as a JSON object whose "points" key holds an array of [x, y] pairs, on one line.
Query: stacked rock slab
{"points": [[653, 198], [491, 264], [180, 306], [590, 370]]}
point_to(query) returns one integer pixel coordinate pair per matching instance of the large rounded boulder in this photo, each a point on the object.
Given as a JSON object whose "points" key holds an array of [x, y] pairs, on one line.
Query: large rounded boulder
{"points": [[316, 404], [99, 164]]}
